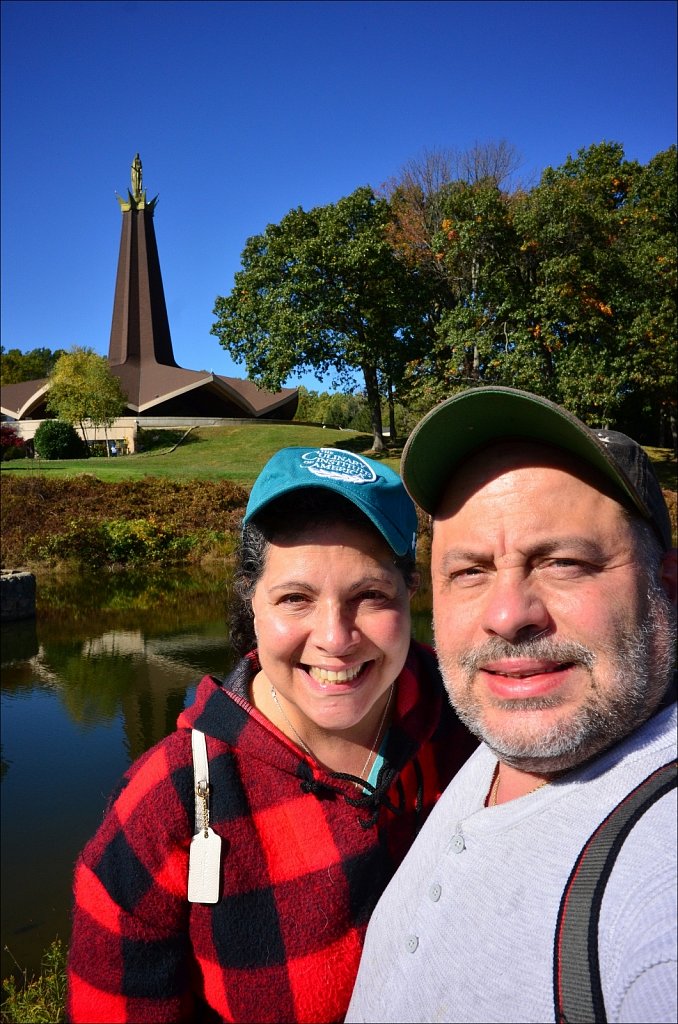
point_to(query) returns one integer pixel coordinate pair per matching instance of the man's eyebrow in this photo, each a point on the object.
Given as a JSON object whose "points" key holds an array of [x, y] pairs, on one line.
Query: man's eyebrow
{"points": [[464, 556], [585, 547], [565, 546]]}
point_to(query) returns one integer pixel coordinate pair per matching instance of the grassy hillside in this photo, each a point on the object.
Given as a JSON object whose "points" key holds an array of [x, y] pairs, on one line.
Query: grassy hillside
{"points": [[666, 467], [178, 500], [205, 453], [237, 454]]}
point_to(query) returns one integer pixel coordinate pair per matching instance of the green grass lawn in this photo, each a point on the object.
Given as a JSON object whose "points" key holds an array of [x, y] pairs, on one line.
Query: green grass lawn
{"points": [[665, 466], [238, 453], [234, 453]]}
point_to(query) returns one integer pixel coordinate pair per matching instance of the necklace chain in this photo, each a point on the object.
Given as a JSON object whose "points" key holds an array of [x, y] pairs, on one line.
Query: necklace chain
{"points": [[493, 794], [305, 746], [279, 706]]}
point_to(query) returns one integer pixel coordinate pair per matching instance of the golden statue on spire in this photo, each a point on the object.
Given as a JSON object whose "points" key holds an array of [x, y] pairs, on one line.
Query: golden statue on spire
{"points": [[136, 177], [136, 198]]}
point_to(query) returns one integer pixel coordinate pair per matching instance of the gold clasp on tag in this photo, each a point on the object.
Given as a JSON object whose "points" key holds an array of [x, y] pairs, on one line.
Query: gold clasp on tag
{"points": [[202, 790]]}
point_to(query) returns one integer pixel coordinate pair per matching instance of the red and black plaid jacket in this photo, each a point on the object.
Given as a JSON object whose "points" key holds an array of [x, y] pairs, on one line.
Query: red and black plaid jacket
{"points": [[305, 857]]}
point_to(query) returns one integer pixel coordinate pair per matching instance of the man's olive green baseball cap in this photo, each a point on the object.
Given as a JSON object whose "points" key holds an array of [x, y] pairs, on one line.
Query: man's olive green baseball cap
{"points": [[478, 417]]}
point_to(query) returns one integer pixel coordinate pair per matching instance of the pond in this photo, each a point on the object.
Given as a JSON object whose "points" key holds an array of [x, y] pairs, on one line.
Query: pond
{"points": [[98, 678]]}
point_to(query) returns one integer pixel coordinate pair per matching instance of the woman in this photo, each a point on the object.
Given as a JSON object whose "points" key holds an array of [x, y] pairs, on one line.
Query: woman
{"points": [[327, 745]]}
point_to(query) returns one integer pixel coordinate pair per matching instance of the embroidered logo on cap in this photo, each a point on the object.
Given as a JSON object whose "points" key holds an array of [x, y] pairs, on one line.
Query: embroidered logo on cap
{"points": [[338, 465]]}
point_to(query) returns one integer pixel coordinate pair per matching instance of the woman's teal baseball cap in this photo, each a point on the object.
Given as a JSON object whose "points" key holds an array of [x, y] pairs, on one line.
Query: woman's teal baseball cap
{"points": [[374, 489]]}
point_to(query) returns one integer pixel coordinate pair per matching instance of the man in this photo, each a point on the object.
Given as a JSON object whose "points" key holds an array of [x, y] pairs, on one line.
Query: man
{"points": [[554, 617]]}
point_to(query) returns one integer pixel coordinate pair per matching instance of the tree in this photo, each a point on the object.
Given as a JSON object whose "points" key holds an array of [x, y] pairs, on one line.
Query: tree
{"points": [[82, 388], [494, 162], [452, 225], [324, 290], [649, 256], [478, 248], [473, 252], [419, 197], [567, 290], [599, 240], [572, 245], [17, 367], [336, 409]]}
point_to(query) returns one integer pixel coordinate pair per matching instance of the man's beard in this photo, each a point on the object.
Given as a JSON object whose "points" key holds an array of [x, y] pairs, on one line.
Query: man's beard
{"points": [[641, 662]]}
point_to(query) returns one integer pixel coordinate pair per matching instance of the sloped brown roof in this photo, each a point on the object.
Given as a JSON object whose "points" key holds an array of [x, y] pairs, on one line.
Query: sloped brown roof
{"points": [[153, 389], [18, 401], [149, 385]]}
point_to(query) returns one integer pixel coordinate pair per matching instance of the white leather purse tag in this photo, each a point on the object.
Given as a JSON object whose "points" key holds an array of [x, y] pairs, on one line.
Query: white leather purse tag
{"points": [[204, 867]]}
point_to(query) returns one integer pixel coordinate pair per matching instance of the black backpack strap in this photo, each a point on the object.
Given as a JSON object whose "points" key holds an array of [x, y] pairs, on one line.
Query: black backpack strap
{"points": [[577, 988]]}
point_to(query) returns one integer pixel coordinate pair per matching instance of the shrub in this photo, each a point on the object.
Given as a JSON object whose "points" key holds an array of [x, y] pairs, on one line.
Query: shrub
{"points": [[140, 540], [9, 454], [114, 542], [40, 998], [54, 518], [10, 440], [55, 439]]}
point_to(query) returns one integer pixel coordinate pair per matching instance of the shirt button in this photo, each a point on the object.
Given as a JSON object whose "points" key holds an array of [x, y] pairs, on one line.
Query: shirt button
{"points": [[458, 843], [411, 943], [435, 892]]}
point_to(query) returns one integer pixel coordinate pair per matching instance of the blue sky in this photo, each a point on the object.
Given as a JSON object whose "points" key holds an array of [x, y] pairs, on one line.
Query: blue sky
{"points": [[242, 111]]}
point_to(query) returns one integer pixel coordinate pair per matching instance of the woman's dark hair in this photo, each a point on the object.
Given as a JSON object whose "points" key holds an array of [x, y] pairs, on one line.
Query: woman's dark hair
{"points": [[288, 517]]}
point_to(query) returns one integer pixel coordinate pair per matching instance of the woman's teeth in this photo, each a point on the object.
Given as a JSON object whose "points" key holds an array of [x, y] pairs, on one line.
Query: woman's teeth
{"points": [[325, 676]]}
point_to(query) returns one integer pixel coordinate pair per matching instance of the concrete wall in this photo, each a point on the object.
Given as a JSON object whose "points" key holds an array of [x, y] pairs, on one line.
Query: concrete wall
{"points": [[126, 428]]}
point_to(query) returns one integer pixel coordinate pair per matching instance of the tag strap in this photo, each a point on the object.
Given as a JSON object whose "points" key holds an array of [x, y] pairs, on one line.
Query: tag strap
{"points": [[204, 864]]}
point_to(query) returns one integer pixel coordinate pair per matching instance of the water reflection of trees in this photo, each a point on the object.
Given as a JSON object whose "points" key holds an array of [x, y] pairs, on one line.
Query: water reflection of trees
{"points": [[153, 597], [108, 651]]}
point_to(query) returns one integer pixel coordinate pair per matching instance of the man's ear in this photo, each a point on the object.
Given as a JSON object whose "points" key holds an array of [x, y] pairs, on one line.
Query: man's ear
{"points": [[669, 574]]}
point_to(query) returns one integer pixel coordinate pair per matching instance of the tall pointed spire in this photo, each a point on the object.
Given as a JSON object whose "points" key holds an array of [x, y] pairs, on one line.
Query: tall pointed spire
{"points": [[140, 352], [140, 331]]}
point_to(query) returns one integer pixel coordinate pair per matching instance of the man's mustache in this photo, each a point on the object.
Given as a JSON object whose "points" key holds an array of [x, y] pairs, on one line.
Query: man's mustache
{"points": [[538, 647]]}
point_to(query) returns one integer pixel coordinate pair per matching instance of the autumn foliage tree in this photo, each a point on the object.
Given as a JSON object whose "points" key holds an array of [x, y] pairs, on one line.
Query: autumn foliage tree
{"points": [[566, 289], [649, 305]]}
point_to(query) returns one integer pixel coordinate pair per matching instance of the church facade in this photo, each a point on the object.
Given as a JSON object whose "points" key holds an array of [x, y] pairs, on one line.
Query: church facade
{"points": [[140, 350]]}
